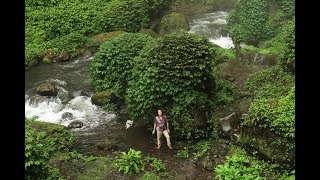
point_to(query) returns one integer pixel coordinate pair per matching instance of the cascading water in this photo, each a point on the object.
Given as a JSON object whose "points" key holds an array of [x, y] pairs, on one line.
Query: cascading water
{"points": [[70, 79], [213, 26]]}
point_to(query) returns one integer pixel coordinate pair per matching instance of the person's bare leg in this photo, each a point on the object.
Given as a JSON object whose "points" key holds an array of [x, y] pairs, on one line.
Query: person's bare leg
{"points": [[166, 134]]}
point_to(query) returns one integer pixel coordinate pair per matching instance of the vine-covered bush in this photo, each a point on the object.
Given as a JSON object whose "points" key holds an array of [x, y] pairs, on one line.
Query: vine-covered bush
{"points": [[283, 45], [272, 82], [69, 43], [173, 72], [127, 15], [270, 126], [50, 20], [112, 65], [42, 140], [247, 21], [278, 115]]}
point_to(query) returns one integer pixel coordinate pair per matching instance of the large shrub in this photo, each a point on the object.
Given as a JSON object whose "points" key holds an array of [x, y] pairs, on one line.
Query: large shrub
{"points": [[173, 72], [247, 21], [270, 127], [112, 65]]}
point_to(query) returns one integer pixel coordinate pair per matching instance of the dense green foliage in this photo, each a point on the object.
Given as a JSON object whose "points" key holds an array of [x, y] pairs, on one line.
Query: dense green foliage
{"points": [[68, 24], [275, 114], [272, 82], [41, 142], [69, 43], [112, 65], [127, 15], [247, 21], [173, 72], [270, 126], [253, 21], [226, 92], [283, 45], [240, 165], [130, 162], [223, 55]]}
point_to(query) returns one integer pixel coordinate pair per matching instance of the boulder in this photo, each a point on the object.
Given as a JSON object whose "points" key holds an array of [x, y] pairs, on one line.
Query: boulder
{"points": [[85, 93], [173, 22], [100, 38], [47, 89], [101, 98], [107, 145], [150, 32], [67, 115], [75, 124], [226, 122]]}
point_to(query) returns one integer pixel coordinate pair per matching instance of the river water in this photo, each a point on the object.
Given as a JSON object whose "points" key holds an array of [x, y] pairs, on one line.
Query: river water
{"points": [[213, 26], [71, 78]]}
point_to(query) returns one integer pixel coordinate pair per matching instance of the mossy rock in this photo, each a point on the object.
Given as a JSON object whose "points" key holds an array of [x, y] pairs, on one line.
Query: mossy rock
{"points": [[102, 37], [102, 98], [46, 126], [59, 132], [150, 32], [173, 22], [47, 89], [47, 60]]}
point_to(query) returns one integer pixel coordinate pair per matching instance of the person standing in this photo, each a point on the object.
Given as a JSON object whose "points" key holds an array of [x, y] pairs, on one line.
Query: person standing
{"points": [[161, 124]]}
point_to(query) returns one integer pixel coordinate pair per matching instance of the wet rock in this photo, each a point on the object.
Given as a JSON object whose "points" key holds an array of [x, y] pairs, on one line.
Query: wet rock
{"points": [[67, 115], [47, 89], [173, 22], [75, 124], [108, 145], [149, 32], [101, 98], [85, 93]]}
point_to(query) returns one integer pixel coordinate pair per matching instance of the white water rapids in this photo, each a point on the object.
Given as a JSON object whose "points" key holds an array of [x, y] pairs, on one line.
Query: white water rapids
{"points": [[70, 79]]}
